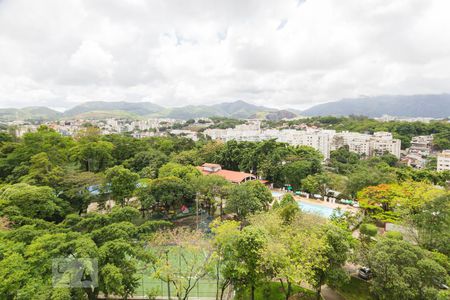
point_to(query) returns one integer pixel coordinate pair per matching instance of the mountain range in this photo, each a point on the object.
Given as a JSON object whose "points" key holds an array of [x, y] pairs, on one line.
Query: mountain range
{"points": [[434, 106], [427, 106]]}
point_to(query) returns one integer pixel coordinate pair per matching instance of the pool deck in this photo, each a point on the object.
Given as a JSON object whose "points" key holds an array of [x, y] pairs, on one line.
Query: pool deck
{"points": [[325, 203], [320, 202]]}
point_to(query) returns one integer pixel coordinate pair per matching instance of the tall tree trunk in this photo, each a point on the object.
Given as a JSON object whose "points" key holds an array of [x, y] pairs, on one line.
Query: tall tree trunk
{"points": [[217, 279], [252, 295], [289, 290]]}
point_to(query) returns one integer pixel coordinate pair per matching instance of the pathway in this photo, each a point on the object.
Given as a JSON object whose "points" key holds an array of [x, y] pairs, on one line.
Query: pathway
{"points": [[330, 294]]}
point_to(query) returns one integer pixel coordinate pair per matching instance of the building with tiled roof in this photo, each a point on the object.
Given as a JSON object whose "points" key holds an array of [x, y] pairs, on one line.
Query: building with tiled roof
{"points": [[232, 176]]}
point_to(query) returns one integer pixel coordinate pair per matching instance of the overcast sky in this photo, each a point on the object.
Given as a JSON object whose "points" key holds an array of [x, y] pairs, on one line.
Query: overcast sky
{"points": [[281, 53]]}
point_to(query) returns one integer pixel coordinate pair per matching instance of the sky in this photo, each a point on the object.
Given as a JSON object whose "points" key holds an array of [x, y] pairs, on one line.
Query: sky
{"points": [[285, 53]]}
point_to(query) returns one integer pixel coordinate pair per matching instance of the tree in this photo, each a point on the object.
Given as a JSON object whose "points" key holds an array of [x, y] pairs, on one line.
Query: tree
{"points": [[80, 189], [296, 171], [242, 257], [151, 158], [293, 249], [32, 201], [188, 157], [403, 271], [338, 245], [224, 237], [122, 183], [259, 191], [391, 202], [367, 176], [169, 193], [242, 201], [343, 160], [183, 258], [433, 225], [43, 172], [211, 191], [318, 183], [93, 156], [125, 147], [16, 156], [180, 171]]}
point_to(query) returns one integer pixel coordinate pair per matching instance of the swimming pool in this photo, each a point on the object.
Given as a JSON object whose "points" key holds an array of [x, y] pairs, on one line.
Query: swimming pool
{"points": [[323, 211]]}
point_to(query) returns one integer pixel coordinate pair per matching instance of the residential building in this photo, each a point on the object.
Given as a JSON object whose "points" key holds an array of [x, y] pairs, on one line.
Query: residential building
{"points": [[443, 161], [421, 144]]}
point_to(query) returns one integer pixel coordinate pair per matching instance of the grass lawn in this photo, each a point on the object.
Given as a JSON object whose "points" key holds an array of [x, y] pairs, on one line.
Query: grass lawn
{"points": [[274, 291], [356, 289]]}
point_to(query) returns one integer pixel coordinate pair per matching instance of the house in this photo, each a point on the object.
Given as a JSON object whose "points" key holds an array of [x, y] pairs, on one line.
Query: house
{"points": [[232, 176]]}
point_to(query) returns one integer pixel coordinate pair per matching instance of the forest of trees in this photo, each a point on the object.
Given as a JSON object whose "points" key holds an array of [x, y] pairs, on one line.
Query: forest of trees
{"points": [[47, 182]]}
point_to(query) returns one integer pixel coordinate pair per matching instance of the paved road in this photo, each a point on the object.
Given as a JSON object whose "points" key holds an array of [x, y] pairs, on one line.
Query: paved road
{"points": [[330, 294]]}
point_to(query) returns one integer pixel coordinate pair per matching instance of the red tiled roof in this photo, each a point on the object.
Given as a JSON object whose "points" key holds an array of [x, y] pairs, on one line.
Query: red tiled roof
{"points": [[233, 176]]}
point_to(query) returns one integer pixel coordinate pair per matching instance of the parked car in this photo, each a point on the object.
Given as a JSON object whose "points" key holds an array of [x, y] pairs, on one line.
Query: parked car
{"points": [[365, 273]]}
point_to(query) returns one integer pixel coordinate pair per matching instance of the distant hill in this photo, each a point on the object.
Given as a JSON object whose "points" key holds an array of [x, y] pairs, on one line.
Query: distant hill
{"points": [[134, 108], [434, 106], [29, 113], [238, 109], [430, 106]]}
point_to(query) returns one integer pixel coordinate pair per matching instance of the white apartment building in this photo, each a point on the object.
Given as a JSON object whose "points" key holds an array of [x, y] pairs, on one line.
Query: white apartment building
{"points": [[318, 139], [356, 142], [421, 144], [366, 144], [443, 161], [382, 142]]}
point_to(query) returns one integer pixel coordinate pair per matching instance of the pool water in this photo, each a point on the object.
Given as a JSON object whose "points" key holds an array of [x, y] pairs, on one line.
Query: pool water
{"points": [[323, 211], [320, 210]]}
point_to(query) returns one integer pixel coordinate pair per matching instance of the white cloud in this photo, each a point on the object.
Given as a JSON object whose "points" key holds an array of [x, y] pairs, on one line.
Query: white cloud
{"points": [[173, 52]]}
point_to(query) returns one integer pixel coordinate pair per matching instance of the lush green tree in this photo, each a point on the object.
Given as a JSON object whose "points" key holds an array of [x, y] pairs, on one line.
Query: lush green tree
{"points": [[211, 191], [151, 158], [224, 235], [441, 140], [183, 258], [93, 156], [433, 224], [248, 198], [169, 193], [18, 155], [336, 253], [124, 147], [403, 271], [343, 160], [188, 157], [316, 184], [241, 263], [287, 199], [367, 176], [80, 189], [293, 249], [296, 171], [32, 201], [43, 172], [122, 183], [210, 151], [184, 172]]}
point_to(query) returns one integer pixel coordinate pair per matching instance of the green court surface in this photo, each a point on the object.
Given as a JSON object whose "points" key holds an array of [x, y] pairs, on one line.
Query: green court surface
{"points": [[206, 287]]}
